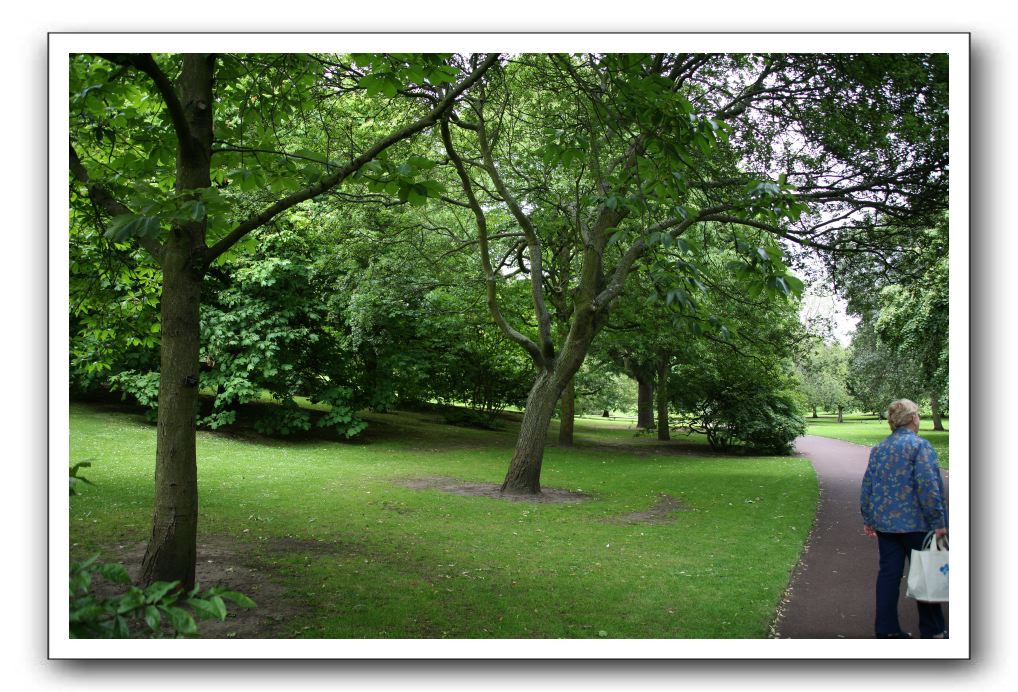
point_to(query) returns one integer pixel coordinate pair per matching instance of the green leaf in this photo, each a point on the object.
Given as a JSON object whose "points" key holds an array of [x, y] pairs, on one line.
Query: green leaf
{"points": [[703, 144], [203, 608], [238, 598], [218, 606], [421, 163], [371, 83], [152, 617], [155, 592], [126, 226], [114, 573], [131, 600], [181, 620], [120, 628], [551, 155], [794, 284], [82, 566]]}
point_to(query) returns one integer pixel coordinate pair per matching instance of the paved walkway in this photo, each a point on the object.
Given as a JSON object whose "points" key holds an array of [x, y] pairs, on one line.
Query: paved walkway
{"points": [[832, 588]]}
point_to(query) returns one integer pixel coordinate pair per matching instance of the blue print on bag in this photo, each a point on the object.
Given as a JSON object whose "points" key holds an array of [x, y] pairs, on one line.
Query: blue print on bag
{"points": [[943, 570]]}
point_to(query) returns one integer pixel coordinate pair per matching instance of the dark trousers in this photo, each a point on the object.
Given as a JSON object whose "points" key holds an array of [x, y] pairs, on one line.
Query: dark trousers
{"points": [[894, 549]]}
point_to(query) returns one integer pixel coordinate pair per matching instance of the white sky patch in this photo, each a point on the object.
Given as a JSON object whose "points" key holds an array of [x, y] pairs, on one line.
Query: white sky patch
{"points": [[816, 303]]}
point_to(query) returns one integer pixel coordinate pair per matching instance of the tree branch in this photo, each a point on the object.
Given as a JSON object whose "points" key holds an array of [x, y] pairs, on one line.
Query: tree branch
{"points": [[105, 200], [284, 154], [264, 216], [635, 251], [533, 244], [770, 228], [147, 64], [482, 238]]}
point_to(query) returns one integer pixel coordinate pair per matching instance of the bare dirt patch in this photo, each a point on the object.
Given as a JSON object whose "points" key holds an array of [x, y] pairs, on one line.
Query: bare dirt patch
{"points": [[231, 564], [459, 487], [663, 512]]}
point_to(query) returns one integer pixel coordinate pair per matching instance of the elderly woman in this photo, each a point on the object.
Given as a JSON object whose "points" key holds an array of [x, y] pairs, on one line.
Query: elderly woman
{"points": [[902, 500]]}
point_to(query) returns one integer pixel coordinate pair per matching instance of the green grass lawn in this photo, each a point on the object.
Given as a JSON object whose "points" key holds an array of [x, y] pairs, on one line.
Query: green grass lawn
{"points": [[399, 562], [868, 430]]}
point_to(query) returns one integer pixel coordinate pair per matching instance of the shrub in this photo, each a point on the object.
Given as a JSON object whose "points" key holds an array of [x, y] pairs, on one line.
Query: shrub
{"points": [[473, 418], [143, 387], [153, 612], [157, 607], [75, 480], [755, 421], [283, 420]]}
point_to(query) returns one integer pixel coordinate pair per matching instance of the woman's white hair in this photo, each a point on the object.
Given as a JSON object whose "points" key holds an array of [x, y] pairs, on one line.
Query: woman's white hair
{"points": [[900, 412]]}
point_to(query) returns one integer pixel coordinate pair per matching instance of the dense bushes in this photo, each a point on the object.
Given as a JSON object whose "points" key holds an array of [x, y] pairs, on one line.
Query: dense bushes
{"points": [[739, 403], [349, 332], [760, 422]]}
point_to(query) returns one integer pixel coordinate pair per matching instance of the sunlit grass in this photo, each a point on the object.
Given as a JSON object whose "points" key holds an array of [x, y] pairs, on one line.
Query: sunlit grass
{"points": [[869, 430], [426, 563]]}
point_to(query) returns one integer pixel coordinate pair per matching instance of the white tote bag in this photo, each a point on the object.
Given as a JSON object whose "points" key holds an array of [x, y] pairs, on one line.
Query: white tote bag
{"points": [[928, 571]]}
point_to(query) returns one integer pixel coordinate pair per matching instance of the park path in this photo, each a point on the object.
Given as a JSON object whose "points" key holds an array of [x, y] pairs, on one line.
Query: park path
{"points": [[831, 594]]}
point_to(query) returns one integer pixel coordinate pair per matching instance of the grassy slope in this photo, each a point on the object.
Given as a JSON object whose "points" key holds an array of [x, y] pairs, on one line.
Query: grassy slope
{"points": [[867, 430], [424, 563]]}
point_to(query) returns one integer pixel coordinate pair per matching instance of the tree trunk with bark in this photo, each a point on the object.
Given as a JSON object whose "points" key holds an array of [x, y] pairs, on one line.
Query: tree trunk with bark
{"points": [[170, 554], [815, 412], [524, 474], [567, 414], [664, 367], [841, 414], [938, 424], [644, 404]]}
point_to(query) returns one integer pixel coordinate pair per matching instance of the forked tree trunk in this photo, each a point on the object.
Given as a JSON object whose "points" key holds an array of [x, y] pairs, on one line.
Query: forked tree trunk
{"points": [[938, 424], [644, 404], [170, 555], [662, 399], [567, 414], [524, 474]]}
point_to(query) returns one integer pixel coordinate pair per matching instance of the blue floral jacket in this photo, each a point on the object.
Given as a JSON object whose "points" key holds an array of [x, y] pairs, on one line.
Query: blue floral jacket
{"points": [[902, 489]]}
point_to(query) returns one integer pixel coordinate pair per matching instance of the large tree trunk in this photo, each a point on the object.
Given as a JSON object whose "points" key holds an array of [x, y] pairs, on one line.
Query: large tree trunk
{"points": [[815, 412], [664, 367], [644, 404], [935, 412], [567, 414], [524, 475], [170, 555], [841, 414]]}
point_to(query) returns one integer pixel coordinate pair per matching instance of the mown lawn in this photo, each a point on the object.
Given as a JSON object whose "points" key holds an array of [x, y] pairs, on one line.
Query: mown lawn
{"points": [[406, 563], [868, 430]]}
